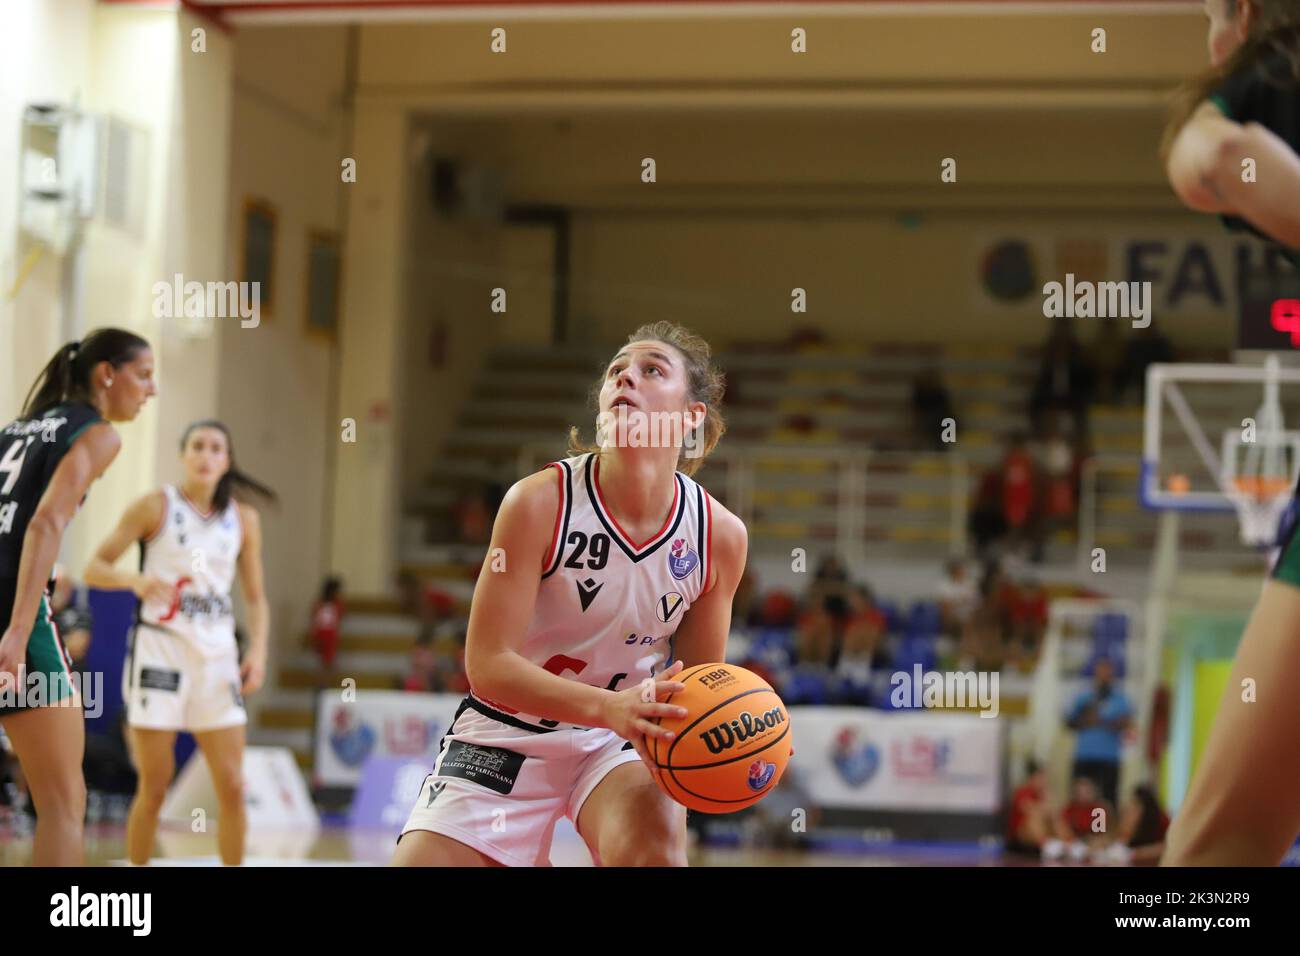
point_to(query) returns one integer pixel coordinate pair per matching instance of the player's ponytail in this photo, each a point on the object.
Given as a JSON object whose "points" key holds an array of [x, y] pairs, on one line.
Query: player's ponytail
{"points": [[66, 377], [1275, 34], [234, 483]]}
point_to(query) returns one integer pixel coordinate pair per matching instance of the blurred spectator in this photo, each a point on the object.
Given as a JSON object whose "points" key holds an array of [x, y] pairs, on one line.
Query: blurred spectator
{"points": [[409, 593], [981, 646], [450, 664], [1100, 715], [830, 588], [326, 618], [1032, 827], [422, 673], [931, 404], [958, 596], [1107, 359], [986, 523], [1145, 347], [815, 637], [472, 516], [863, 635], [810, 681], [778, 609], [1142, 828], [1027, 611], [1018, 480], [1059, 478], [1064, 380], [1089, 816]]}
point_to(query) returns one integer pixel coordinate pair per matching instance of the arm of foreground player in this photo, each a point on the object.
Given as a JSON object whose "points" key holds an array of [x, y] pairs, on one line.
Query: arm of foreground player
{"points": [[702, 636], [502, 608], [1205, 168]]}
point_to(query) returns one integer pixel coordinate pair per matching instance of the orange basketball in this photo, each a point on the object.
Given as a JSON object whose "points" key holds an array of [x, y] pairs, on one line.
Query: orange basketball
{"points": [[731, 747]]}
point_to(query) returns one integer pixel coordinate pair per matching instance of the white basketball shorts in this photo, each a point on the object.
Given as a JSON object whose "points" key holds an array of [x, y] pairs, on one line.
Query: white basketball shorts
{"points": [[168, 684], [501, 789]]}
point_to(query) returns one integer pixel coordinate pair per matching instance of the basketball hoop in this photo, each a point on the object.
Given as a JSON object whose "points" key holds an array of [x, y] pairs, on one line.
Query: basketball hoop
{"points": [[1260, 501], [1260, 489]]}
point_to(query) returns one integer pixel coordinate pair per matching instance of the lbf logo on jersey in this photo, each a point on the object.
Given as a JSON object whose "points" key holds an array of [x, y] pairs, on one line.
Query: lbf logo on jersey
{"points": [[682, 559]]}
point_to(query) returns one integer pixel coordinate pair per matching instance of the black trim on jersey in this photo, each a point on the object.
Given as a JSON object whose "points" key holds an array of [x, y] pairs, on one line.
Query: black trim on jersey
{"points": [[451, 729], [664, 536], [130, 662], [139, 608], [566, 492], [486, 711], [699, 532]]}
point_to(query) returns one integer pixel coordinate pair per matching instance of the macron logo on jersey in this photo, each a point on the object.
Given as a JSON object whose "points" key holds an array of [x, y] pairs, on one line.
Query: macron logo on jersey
{"points": [[587, 591]]}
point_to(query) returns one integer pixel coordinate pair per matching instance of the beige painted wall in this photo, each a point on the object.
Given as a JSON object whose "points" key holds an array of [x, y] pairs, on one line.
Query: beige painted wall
{"points": [[375, 299], [452, 268], [45, 57], [868, 278], [287, 134]]}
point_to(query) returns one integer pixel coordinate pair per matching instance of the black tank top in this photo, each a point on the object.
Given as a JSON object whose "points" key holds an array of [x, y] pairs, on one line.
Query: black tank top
{"points": [[30, 450], [1267, 93]]}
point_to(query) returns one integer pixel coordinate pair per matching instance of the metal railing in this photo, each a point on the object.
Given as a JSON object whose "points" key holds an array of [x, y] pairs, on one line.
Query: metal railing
{"points": [[739, 465]]}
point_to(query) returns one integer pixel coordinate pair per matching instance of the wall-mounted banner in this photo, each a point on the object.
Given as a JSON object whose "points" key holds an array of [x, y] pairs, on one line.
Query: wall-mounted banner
{"points": [[1184, 273], [379, 723], [853, 758]]}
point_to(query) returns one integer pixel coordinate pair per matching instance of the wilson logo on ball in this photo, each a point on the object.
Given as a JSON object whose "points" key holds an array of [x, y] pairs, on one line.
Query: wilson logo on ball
{"points": [[727, 735]]}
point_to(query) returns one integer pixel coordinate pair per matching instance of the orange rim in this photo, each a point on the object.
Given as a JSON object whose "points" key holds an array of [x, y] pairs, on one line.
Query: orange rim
{"points": [[1261, 486]]}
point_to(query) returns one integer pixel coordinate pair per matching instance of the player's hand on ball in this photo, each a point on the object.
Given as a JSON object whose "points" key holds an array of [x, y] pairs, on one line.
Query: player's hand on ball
{"points": [[153, 590], [629, 712]]}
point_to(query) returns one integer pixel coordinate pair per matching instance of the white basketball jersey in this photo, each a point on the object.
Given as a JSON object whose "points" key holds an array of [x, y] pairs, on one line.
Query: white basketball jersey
{"points": [[197, 553], [608, 607]]}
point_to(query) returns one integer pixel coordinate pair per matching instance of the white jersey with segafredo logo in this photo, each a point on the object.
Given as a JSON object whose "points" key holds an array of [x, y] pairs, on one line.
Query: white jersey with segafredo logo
{"points": [[608, 606], [197, 554]]}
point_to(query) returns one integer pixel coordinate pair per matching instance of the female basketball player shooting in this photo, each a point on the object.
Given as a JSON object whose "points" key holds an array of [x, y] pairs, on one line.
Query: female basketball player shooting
{"points": [[1243, 806], [603, 569], [183, 671], [48, 457]]}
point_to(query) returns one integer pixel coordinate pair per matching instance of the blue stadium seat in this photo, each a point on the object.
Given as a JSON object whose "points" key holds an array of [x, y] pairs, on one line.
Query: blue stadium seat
{"points": [[807, 686], [893, 620], [850, 693], [916, 649], [924, 619]]}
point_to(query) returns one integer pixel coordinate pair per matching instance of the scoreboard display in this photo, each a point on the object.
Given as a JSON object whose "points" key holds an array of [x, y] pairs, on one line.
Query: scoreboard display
{"points": [[1270, 310]]}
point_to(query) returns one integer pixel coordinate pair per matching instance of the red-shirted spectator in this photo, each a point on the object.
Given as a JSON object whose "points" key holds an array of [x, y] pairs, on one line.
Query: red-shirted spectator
{"points": [[423, 675], [1088, 816], [326, 617], [1031, 826], [1018, 477], [1027, 614]]}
